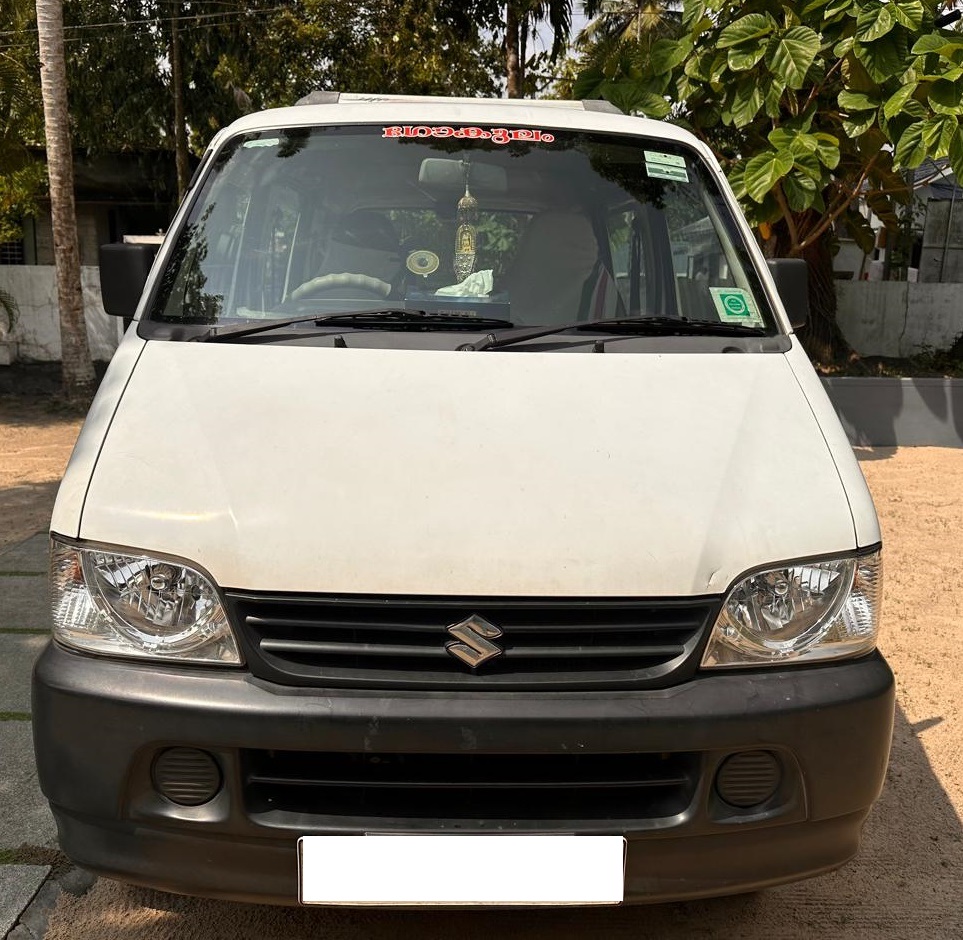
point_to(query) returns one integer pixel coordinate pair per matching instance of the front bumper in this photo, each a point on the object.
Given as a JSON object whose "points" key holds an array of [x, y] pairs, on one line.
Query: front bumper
{"points": [[99, 724]]}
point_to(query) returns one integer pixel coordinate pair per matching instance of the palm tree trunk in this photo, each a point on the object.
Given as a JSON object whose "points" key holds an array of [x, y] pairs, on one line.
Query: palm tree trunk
{"points": [[181, 157], [513, 64], [77, 368]]}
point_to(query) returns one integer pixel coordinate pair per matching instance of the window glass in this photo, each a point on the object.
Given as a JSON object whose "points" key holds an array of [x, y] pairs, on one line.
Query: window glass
{"points": [[534, 227]]}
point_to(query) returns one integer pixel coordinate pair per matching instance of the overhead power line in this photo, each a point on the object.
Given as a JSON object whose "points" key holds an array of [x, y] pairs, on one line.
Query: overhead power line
{"points": [[151, 21]]}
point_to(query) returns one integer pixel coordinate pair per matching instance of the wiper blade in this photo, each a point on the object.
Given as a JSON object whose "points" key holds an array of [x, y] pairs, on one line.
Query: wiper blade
{"points": [[398, 316], [418, 319], [670, 325], [638, 326]]}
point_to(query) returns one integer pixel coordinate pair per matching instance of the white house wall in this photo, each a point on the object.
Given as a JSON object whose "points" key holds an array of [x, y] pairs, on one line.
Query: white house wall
{"points": [[896, 318], [37, 331]]}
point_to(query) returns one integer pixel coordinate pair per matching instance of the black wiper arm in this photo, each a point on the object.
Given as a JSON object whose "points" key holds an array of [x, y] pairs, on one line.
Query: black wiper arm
{"points": [[419, 319], [670, 325], [640, 326], [397, 315]]}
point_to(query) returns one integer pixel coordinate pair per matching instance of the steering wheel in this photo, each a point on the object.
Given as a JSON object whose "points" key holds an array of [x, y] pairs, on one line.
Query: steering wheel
{"points": [[327, 282]]}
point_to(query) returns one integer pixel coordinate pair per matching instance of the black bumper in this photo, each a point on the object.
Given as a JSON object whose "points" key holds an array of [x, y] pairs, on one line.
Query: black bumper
{"points": [[98, 726]]}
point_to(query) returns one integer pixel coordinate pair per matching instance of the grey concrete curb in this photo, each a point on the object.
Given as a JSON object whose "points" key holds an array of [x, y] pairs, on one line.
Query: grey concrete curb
{"points": [[892, 412], [32, 922]]}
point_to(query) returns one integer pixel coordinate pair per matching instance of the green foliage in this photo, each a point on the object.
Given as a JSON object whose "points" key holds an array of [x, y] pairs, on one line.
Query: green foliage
{"points": [[22, 177], [809, 106], [243, 55]]}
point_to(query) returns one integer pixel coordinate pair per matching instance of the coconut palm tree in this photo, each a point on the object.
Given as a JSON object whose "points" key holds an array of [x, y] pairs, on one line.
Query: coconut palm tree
{"points": [[77, 368], [521, 18], [622, 20]]}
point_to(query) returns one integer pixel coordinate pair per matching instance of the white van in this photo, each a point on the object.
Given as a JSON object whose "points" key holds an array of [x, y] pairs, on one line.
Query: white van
{"points": [[461, 476]]}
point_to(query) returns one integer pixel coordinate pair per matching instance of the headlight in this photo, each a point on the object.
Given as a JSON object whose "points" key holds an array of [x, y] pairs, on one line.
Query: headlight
{"points": [[799, 613], [135, 605]]}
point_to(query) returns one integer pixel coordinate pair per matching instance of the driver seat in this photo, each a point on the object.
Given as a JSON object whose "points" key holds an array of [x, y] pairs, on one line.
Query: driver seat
{"points": [[556, 262]]}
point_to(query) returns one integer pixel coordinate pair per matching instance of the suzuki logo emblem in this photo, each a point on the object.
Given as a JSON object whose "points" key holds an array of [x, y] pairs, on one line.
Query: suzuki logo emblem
{"points": [[472, 643]]}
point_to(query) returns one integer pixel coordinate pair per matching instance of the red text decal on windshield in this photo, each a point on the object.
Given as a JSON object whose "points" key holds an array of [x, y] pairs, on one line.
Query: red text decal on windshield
{"points": [[497, 135]]}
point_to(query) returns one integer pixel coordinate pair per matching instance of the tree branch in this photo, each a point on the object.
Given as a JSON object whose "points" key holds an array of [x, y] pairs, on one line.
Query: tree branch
{"points": [[836, 213], [816, 89], [787, 214]]}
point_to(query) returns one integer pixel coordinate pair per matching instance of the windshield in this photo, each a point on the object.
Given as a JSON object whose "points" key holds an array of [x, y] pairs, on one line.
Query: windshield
{"points": [[526, 226]]}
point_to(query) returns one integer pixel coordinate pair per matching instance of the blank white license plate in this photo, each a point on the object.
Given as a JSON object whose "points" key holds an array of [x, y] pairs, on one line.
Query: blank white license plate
{"points": [[476, 869]]}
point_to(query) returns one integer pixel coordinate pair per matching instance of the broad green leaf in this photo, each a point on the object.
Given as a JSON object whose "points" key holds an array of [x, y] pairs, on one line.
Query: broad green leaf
{"points": [[764, 170], [666, 54], [882, 207], [800, 191], [859, 229], [827, 149], [938, 133], [697, 67], [629, 97], [812, 6], [692, 11], [946, 97], [773, 99], [898, 101], [840, 6], [788, 138], [588, 84], [941, 43], [956, 154], [843, 47], [720, 65], [791, 54], [910, 150], [746, 102], [737, 179], [858, 124], [908, 13], [856, 77], [874, 21], [742, 58], [809, 164], [949, 75], [914, 108], [856, 101], [885, 57], [746, 29]]}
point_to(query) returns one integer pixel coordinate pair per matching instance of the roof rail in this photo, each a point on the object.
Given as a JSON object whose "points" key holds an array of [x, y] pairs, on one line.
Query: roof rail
{"points": [[336, 97]]}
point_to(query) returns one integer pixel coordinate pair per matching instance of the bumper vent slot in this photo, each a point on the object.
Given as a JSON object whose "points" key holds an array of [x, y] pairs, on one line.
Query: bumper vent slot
{"points": [[463, 788], [592, 643]]}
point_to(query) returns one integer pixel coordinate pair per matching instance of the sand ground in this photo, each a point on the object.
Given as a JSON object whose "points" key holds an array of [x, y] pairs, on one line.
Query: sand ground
{"points": [[906, 883]]}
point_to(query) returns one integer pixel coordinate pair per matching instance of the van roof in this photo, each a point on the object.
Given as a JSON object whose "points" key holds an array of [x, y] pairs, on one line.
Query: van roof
{"points": [[344, 108], [350, 97]]}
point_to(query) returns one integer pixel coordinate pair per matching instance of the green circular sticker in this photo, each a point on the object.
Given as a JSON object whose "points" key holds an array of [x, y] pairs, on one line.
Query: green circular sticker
{"points": [[735, 305]]}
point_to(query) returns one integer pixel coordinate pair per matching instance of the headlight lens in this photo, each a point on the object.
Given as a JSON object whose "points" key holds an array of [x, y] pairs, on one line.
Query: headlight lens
{"points": [[136, 605], [799, 613]]}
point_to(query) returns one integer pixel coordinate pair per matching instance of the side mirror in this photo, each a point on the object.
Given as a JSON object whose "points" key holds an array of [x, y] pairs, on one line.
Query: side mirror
{"points": [[123, 274], [792, 281]]}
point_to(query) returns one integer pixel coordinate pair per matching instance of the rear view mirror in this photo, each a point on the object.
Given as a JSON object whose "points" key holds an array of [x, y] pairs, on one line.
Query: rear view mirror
{"points": [[123, 274], [792, 281], [439, 173]]}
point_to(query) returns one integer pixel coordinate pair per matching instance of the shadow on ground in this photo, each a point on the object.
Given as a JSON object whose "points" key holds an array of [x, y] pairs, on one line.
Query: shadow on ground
{"points": [[905, 883]]}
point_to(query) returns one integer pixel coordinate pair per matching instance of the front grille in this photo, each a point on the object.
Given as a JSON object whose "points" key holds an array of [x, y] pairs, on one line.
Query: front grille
{"points": [[493, 790], [368, 642]]}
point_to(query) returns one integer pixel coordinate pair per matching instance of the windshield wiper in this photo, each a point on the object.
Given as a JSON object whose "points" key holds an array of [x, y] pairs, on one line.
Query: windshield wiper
{"points": [[382, 317], [631, 326]]}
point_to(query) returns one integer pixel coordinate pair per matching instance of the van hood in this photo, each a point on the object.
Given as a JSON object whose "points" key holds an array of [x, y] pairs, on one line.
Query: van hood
{"points": [[292, 468]]}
